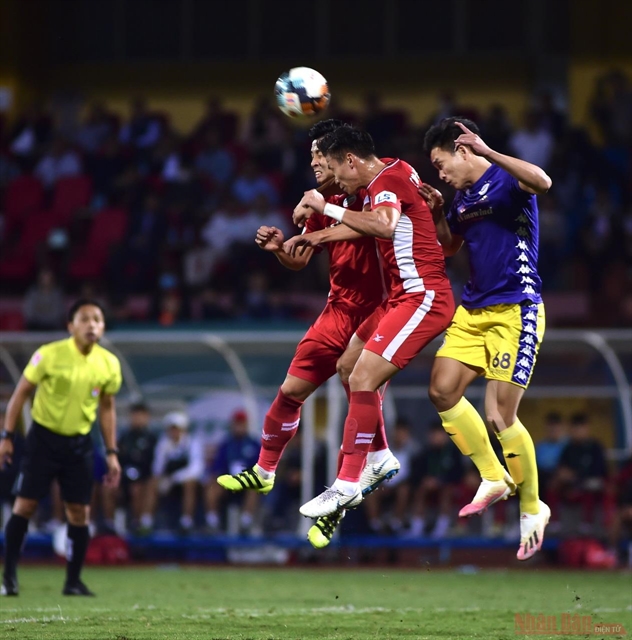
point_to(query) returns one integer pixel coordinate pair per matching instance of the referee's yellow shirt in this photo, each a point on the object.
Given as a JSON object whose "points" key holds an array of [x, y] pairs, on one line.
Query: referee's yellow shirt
{"points": [[69, 385]]}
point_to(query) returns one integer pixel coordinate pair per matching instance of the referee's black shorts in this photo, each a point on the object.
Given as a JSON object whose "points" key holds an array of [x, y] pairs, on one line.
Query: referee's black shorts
{"points": [[49, 456]]}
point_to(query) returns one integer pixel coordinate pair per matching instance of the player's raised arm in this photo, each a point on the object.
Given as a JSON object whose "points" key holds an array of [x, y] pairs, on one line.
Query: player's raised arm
{"points": [[379, 222], [299, 244], [450, 243], [272, 239], [531, 178]]}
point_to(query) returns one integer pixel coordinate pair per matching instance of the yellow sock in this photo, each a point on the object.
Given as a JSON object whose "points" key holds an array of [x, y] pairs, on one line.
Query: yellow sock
{"points": [[519, 454], [468, 432]]}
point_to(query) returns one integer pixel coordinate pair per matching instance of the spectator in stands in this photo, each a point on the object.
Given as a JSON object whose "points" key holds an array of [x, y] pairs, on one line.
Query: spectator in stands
{"points": [[236, 452], [198, 263], [582, 475], [219, 119], [61, 161], [178, 465], [611, 106], [107, 168], [532, 143], [437, 474], [549, 450], [550, 117], [265, 131], [215, 162], [144, 129], [387, 508], [251, 183], [44, 308], [136, 446], [553, 241], [496, 128], [96, 128], [32, 131]]}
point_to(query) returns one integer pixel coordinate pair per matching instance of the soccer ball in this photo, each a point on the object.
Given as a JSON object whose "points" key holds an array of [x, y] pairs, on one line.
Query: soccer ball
{"points": [[301, 92]]}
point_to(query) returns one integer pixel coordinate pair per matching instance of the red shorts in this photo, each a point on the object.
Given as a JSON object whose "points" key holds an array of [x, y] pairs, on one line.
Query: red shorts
{"points": [[325, 341], [410, 323], [368, 327]]}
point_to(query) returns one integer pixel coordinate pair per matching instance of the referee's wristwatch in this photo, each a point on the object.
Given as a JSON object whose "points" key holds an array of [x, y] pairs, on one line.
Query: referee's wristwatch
{"points": [[7, 435], [112, 451]]}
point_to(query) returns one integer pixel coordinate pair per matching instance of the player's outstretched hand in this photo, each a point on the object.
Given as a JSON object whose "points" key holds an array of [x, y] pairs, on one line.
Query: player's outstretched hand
{"points": [[113, 476], [310, 202], [6, 452], [270, 238], [434, 199], [297, 245], [472, 140]]}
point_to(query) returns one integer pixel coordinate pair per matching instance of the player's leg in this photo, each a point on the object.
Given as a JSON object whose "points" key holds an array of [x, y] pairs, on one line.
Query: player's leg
{"points": [[514, 345], [401, 334], [381, 464], [460, 360], [76, 478]]}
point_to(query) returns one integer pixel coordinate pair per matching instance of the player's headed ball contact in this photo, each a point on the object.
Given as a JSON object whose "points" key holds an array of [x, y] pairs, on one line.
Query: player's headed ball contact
{"points": [[302, 92]]}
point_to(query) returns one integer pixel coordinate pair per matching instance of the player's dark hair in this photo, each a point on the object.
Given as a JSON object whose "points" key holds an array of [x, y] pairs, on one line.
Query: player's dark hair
{"points": [[444, 133], [579, 419], [83, 302], [324, 127], [347, 139]]}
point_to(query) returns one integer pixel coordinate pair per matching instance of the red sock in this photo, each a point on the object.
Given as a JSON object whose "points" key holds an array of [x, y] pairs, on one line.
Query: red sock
{"points": [[279, 427], [341, 457], [380, 442], [359, 431]]}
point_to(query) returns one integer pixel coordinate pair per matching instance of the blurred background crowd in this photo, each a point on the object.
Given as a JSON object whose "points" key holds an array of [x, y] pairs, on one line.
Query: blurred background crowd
{"points": [[159, 223]]}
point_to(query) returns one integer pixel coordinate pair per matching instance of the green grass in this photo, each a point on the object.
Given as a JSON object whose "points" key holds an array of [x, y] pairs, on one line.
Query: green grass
{"points": [[269, 604]]}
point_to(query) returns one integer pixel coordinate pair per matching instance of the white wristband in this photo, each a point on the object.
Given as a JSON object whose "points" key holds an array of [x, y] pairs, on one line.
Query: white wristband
{"points": [[334, 211]]}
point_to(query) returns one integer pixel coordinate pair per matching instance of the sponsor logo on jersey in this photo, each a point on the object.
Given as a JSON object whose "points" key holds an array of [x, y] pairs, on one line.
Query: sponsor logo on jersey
{"points": [[523, 257], [378, 338], [385, 196], [524, 269], [348, 201], [527, 280], [529, 289], [522, 245], [522, 218], [522, 232]]}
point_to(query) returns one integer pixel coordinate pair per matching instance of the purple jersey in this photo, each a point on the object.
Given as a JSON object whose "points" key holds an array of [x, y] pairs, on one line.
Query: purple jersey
{"points": [[499, 224]]}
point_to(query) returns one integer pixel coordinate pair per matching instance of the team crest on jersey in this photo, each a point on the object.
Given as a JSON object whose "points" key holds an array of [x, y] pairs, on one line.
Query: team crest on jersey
{"points": [[348, 201], [385, 196], [36, 359], [484, 189]]}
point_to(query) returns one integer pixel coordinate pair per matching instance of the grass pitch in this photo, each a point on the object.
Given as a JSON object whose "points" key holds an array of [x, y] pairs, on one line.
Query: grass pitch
{"points": [[157, 603]]}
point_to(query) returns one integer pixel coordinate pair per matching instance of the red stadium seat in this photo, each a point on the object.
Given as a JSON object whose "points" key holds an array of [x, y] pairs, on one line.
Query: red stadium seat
{"points": [[20, 262], [108, 229], [24, 195], [71, 194]]}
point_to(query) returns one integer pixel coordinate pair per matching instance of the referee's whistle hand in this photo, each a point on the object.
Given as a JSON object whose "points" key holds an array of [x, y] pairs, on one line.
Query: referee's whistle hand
{"points": [[6, 452]]}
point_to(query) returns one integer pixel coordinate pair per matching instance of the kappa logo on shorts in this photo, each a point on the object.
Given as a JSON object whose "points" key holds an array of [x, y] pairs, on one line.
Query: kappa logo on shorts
{"points": [[378, 338]]}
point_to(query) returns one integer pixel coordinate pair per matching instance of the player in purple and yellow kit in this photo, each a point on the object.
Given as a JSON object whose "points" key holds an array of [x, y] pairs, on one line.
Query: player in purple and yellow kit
{"points": [[497, 330]]}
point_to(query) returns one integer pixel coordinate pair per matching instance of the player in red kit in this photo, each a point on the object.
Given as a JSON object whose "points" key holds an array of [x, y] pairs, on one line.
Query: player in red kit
{"points": [[420, 304], [335, 339]]}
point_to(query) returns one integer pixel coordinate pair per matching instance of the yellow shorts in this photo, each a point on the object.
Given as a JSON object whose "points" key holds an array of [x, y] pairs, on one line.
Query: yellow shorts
{"points": [[502, 340]]}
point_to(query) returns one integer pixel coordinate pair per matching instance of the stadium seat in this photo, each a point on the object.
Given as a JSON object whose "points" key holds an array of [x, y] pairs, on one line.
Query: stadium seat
{"points": [[20, 261], [108, 229], [24, 195], [71, 194]]}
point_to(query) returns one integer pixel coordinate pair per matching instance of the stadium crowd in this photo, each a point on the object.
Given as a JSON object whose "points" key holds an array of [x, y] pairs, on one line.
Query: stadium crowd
{"points": [[159, 224]]}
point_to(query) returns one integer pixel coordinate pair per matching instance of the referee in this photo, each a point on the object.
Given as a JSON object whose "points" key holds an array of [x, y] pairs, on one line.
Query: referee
{"points": [[72, 377]]}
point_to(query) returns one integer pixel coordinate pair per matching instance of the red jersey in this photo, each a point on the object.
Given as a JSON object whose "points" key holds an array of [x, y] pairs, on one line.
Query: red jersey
{"points": [[413, 258], [355, 272]]}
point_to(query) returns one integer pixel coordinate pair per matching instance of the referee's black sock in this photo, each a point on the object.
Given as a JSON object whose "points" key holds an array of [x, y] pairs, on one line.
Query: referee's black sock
{"points": [[14, 534], [78, 538]]}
